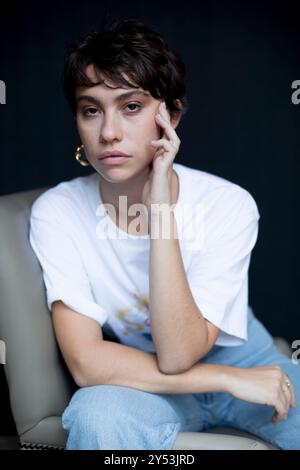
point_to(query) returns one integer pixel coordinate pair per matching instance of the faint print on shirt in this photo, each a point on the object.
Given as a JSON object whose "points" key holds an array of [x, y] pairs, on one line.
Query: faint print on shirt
{"points": [[131, 317], [189, 218]]}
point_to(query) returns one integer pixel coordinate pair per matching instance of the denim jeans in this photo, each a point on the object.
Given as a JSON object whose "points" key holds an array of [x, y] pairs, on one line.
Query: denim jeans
{"points": [[121, 418]]}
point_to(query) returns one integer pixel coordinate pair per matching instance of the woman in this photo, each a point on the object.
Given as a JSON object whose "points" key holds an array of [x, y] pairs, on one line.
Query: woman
{"points": [[156, 255]]}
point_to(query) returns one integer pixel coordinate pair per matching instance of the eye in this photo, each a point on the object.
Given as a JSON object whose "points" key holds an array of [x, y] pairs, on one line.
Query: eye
{"points": [[134, 104], [90, 111]]}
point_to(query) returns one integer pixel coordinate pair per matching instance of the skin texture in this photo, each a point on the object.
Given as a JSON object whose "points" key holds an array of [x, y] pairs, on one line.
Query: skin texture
{"points": [[115, 126], [81, 342], [148, 177]]}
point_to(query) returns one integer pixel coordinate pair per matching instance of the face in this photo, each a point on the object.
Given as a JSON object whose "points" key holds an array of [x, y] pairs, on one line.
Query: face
{"points": [[112, 118]]}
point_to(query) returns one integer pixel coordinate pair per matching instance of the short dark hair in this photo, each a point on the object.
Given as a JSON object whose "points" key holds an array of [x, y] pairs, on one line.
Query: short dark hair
{"points": [[129, 46]]}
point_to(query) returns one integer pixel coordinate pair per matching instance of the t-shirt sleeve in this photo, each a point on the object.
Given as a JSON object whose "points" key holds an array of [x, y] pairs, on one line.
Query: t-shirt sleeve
{"points": [[65, 278], [218, 274]]}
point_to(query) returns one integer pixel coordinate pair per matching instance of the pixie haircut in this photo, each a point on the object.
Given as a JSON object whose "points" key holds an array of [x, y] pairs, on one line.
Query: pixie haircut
{"points": [[127, 46]]}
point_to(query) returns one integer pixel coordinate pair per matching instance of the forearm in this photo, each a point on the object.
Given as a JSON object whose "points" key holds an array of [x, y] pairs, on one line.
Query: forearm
{"points": [[111, 363], [178, 328]]}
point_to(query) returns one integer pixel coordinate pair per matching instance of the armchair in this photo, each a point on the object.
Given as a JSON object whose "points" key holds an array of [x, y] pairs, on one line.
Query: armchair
{"points": [[39, 383]]}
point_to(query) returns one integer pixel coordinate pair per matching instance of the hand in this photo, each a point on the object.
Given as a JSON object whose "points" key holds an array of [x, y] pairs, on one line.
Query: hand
{"points": [[266, 385], [157, 189]]}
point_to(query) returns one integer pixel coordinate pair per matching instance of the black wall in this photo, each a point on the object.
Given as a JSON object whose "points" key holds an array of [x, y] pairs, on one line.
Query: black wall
{"points": [[241, 60]]}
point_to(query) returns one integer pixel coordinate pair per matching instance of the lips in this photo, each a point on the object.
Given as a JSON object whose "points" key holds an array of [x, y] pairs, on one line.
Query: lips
{"points": [[112, 154]]}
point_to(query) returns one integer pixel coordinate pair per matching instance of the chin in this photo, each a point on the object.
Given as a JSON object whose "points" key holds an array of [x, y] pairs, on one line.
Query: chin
{"points": [[116, 174], [120, 173]]}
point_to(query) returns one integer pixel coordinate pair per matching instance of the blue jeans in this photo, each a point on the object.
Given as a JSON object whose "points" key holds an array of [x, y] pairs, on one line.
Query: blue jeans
{"points": [[120, 418]]}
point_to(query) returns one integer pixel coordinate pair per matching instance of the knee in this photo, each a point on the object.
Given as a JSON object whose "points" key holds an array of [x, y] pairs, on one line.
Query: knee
{"points": [[91, 420], [85, 404], [103, 405], [112, 417]]}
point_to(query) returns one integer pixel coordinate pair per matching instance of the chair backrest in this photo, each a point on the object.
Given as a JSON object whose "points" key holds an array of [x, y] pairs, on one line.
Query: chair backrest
{"points": [[39, 383]]}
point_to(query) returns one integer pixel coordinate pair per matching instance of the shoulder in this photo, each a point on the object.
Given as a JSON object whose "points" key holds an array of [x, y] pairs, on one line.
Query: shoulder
{"points": [[64, 197], [214, 193]]}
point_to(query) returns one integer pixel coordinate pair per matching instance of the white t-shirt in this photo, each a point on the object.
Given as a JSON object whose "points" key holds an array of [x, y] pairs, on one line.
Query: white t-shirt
{"points": [[101, 271]]}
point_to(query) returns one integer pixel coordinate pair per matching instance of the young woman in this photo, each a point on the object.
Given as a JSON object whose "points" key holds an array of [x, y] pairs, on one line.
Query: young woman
{"points": [[155, 255]]}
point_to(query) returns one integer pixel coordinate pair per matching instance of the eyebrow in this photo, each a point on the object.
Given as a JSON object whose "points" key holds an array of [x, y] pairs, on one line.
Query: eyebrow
{"points": [[118, 99]]}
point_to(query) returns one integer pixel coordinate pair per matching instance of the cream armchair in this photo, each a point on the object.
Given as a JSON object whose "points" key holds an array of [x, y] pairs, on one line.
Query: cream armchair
{"points": [[39, 383]]}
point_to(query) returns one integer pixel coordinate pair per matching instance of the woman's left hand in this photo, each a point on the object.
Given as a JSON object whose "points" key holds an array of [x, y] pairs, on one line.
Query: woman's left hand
{"points": [[157, 189]]}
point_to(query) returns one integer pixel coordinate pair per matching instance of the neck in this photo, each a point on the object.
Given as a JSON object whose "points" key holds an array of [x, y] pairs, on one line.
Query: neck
{"points": [[131, 188]]}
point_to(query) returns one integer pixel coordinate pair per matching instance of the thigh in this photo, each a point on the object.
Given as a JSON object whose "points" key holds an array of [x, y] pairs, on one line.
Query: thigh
{"points": [[123, 415]]}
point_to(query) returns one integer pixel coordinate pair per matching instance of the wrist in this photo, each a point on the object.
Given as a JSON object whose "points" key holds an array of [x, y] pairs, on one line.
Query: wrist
{"points": [[163, 222], [159, 209], [226, 378]]}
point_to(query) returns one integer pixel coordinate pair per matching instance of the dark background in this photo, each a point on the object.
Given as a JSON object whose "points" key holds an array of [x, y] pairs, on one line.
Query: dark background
{"points": [[241, 59]]}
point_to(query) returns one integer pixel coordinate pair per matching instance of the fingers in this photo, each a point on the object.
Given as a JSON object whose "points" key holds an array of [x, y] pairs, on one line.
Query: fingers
{"points": [[164, 121], [288, 388], [168, 145], [294, 404], [163, 143], [281, 406], [291, 388], [169, 130], [285, 398], [165, 149]]}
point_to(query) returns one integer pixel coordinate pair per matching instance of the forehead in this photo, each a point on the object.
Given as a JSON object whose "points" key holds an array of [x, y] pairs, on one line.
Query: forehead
{"points": [[108, 90], [107, 84], [94, 77]]}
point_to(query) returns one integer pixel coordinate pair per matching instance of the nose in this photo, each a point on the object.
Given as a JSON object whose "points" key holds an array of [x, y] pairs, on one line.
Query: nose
{"points": [[111, 128]]}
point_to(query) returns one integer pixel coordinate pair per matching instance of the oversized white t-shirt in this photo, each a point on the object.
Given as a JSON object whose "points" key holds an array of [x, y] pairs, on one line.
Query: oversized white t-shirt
{"points": [[101, 271]]}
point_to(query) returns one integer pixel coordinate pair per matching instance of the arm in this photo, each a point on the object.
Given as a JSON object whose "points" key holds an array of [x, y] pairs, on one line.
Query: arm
{"points": [[180, 332], [130, 367], [93, 361]]}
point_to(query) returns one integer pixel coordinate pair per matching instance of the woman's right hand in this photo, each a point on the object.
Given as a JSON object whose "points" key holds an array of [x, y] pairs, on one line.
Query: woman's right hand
{"points": [[267, 385]]}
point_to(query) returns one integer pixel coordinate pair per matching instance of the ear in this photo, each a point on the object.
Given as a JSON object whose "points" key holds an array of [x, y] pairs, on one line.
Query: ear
{"points": [[175, 118]]}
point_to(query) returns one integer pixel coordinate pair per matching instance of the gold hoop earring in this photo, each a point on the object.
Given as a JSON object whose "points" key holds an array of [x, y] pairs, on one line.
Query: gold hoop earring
{"points": [[78, 156]]}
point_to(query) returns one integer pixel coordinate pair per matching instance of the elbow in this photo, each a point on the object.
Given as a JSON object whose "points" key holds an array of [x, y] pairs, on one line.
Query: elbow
{"points": [[82, 378], [86, 373], [79, 372], [172, 369], [78, 376], [80, 382], [182, 366]]}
